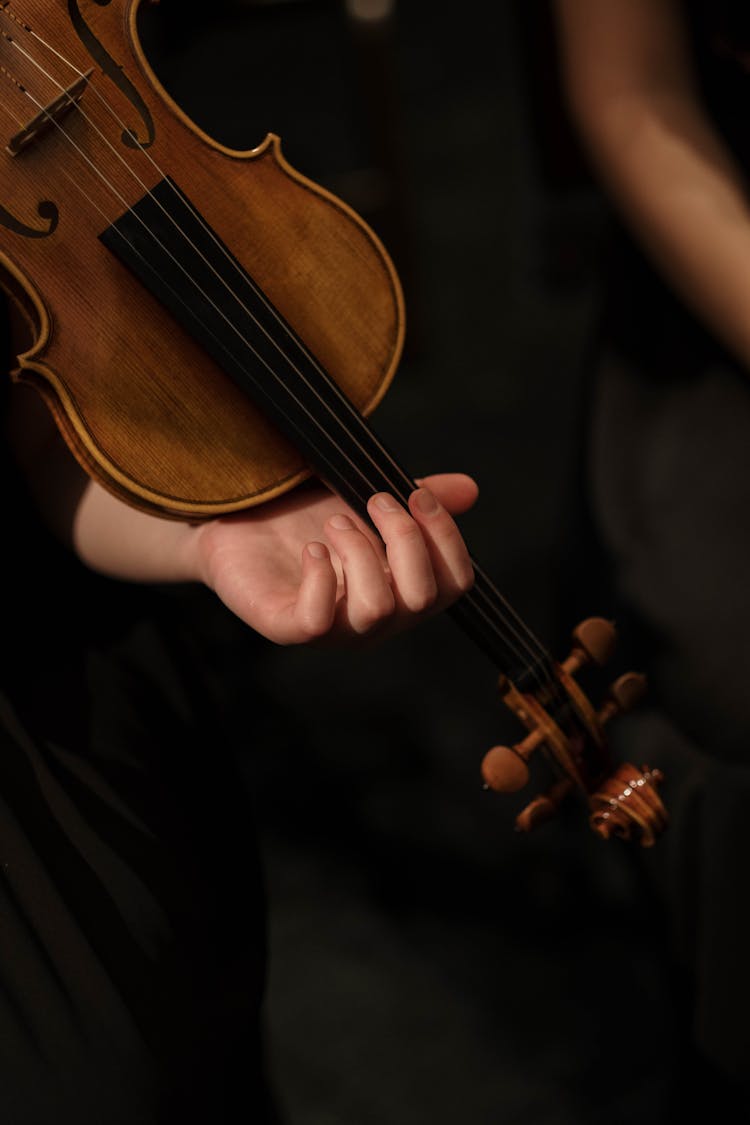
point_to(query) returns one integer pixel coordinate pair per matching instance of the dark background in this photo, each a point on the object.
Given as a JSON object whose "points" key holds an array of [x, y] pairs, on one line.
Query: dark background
{"points": [[427, 963]]}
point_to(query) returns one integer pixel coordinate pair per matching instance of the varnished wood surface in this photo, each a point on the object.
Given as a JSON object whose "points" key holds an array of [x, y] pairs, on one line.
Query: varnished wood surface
{"points": [[142, 407]]}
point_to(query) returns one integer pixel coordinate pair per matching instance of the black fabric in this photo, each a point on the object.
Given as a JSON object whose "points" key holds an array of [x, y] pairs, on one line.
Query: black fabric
{"points": [[670, 497], [132, 913], [667, 480]]}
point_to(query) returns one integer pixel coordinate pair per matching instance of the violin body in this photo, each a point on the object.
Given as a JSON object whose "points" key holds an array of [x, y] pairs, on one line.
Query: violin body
{"points": [[144, 408]]}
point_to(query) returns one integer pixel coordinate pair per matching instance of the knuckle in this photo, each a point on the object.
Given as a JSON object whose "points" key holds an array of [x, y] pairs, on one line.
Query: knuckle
{"points": [[210, 551], [422, 600], [371, 614], [312, 628], [405, 530], [465, 578]]}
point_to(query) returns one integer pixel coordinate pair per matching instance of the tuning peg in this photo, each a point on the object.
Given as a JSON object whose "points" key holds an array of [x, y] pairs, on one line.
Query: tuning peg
{"points": [[624, 694], [620, 801], [544, 807], [504, 768], [594, 641]]}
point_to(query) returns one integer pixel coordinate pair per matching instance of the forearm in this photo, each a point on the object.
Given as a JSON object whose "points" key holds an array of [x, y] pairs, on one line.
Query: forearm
{"points": [[632, 93], [116, 539], [686, 202], [108, 535], [298, 569]]}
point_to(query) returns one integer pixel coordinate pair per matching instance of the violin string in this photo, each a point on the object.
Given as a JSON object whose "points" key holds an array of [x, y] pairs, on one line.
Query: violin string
{"points": [[182, 233], [493, 625], [202, 292], [111, 187], [14, 81], [207, 230], [206, 296], [519, 628]]}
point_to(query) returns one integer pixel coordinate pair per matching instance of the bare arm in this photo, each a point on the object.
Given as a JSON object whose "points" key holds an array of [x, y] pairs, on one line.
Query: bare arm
{"points": [[632, 93], [303, 568]]}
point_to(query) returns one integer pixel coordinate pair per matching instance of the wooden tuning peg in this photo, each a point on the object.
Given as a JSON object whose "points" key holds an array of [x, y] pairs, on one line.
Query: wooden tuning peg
{"points": [[624, 694], [627, 801], [544, 807], [504, 768], [621, 801], [594, 642]]}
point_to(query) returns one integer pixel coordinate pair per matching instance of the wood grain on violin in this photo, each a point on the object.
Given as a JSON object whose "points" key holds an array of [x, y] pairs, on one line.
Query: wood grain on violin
{"points": [[209, 327], [89, 136]]}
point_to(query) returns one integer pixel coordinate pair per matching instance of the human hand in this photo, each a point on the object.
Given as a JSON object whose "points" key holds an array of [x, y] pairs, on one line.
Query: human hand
{"points": [[306, 568], [287, 568]]}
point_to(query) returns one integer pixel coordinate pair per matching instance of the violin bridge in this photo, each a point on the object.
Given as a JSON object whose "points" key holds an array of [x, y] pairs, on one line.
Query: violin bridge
{"points": [[47, 117]]}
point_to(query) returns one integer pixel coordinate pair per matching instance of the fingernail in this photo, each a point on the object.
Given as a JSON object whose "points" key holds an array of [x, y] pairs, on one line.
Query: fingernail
{"points": [[386, 502], [317, 550], [425, 501], [343, 523]]}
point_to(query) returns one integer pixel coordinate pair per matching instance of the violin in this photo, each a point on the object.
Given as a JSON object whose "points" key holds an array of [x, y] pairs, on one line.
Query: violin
{"points": [[211, 328]]}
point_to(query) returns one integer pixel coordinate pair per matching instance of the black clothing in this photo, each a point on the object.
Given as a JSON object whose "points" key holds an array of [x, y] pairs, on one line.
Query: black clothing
{"points": [[668, 484], [132, 924]]}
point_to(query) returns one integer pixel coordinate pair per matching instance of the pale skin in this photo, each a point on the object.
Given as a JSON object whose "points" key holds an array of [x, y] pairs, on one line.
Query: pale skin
{"points": [[628, 76], [299, 570]]}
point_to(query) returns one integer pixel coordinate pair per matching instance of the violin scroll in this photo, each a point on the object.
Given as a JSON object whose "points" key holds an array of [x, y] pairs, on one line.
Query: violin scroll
{"points": [[562, 722], [628, 799]]}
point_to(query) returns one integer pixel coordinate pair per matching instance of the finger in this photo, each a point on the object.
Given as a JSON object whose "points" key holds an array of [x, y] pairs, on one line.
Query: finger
{"points": [[449, 555], [409, 559], [368, 597], [310, 615], [456, 491]]}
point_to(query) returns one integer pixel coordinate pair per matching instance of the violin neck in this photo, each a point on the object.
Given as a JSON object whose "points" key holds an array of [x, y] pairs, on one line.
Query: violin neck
{"points": [[183, 263]]}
